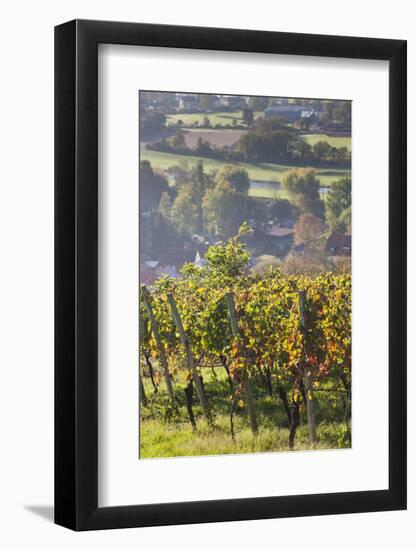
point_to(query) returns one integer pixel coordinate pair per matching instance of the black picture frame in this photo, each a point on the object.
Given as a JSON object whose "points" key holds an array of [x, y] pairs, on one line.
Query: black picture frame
{"points": [[76, 272]]}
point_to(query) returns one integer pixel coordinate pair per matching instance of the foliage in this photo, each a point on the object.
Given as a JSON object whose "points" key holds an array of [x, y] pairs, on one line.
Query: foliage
{"points": [[152, 185], [236, 176], [338, 205], [152, 122], [270, 334], [186, 212], [247, 116], [309, 231], [224, 209], [303, 188]]}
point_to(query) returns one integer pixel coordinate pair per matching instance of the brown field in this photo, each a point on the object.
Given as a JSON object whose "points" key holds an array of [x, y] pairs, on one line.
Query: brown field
{"points": [[218, 138]]}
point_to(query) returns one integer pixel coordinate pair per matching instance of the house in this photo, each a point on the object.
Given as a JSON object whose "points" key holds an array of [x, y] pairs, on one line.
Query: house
{"points": [[281, 238], [339, 245]]}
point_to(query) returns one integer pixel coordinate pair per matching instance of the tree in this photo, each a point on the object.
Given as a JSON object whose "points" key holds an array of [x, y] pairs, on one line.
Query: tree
{"points": [[268, 125], [157, 233], [300, 149], [309, 231], [152, 185], [338, 202], [304, 190], [258, 103], [205, 102], [185, 212], [152, 122], [265, 146], [165, 205], [322, 150], [236, 176], [343, 112], [345, 221], [206, 122], [230, 258], [178, 141], [280, 210], [247, 116], [203, 148], [224, 210]]}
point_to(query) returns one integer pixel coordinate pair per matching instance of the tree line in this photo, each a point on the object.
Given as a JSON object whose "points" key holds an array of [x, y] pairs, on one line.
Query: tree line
{"points": [[261, 143]]}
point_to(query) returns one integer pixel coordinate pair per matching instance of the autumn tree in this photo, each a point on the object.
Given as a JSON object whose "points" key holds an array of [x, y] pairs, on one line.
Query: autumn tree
{"points": [[309, 231]]}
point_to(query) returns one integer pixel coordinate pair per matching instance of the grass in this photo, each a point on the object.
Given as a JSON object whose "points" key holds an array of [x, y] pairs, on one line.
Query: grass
{"points": [[259, 172], [334, 141], [263, 193], [224, 119], [172, 437]]}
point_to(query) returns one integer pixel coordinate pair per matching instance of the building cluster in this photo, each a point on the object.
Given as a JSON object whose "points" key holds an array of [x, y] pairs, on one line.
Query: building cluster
{"points": [[280, 238]]}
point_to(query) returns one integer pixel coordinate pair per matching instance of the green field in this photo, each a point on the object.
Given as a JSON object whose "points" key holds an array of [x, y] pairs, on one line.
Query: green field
{"points": [[224, 119], [259, 172], [173, 436], [334, 141]]}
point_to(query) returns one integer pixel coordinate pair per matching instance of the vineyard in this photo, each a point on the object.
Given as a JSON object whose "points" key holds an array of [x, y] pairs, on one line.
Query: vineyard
{"points": [[234, 362]]}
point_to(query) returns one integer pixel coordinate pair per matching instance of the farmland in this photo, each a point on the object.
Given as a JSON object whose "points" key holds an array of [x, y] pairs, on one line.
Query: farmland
{"points": [[218, 138], [334, 141]]}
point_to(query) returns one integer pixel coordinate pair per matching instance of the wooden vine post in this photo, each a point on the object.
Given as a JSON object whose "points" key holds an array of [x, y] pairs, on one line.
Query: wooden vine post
{"points": [[308, 377], [190, 358], [142, 393], [246, 384], [155, 329]]}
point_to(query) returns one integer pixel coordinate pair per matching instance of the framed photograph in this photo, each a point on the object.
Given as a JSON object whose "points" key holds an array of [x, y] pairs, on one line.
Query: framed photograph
{"points": [[230, 245]]}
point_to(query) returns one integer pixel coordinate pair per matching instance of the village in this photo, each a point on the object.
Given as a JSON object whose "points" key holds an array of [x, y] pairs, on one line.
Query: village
{"points": [[280, 164]]}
